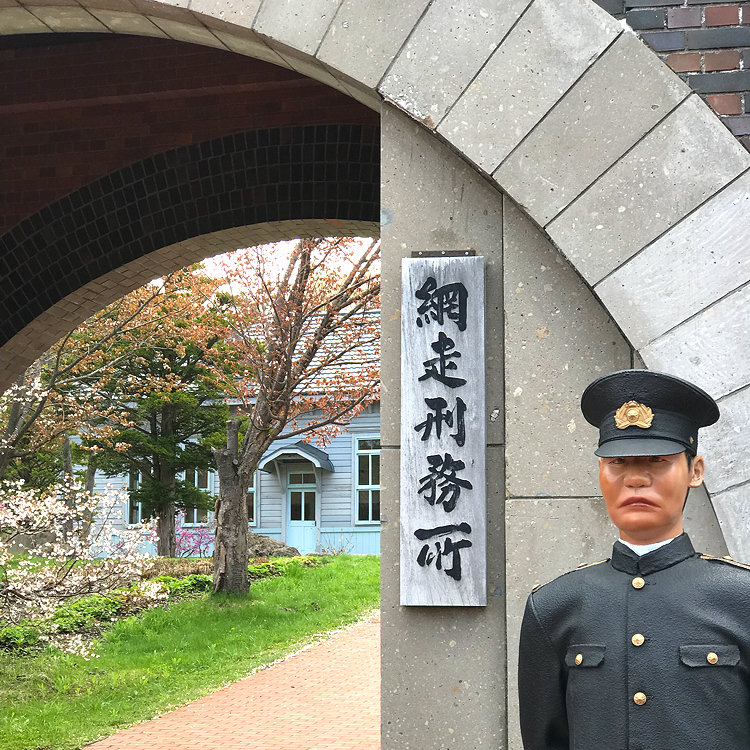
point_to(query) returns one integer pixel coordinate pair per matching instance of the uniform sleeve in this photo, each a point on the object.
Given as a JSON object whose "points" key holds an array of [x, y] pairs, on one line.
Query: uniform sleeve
{"points": [[541, 688]]}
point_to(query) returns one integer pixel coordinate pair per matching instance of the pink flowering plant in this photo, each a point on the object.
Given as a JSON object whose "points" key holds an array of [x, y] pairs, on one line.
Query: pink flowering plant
{"points": [[62, 543], [192, 541]]}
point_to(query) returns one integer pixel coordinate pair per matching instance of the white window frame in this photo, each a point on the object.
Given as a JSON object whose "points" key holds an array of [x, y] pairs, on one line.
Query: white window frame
{"points": [[364, 487], [254, 489], [134, 482], [208, 488]]}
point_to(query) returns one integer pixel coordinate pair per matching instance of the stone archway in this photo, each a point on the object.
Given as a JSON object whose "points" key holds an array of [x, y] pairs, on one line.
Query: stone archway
{"points": [[566, 113]]}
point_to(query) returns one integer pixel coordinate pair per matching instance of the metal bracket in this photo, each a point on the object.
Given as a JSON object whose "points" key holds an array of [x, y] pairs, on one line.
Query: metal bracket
{"points": [[443, 253]]}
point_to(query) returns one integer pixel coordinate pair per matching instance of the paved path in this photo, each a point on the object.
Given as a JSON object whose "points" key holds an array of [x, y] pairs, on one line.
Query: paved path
{"points": [[326, 697]]}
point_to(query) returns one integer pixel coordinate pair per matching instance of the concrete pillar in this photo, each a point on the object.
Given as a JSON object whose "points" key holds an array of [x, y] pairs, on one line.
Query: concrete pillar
{"points": [[443, 668]]}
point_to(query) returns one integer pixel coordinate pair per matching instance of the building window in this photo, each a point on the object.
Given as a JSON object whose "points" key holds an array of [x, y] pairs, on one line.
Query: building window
{"points": [[195, 516], [367, 487], [302, 491], [301, 477], [135, 509], [252, 517]]}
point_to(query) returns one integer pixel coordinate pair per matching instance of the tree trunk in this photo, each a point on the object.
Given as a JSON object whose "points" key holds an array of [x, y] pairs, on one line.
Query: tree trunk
{"points": [[90, 480], [89, 484], [167, 544], [67, 460], [230, 546], [165, 476]]}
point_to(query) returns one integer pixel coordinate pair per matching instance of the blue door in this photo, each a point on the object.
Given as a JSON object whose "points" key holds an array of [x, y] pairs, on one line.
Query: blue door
{"points": [[301, 501]]}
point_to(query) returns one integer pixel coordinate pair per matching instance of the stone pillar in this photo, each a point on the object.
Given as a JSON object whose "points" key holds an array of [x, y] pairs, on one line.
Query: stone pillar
{"points": [[443, 667]]}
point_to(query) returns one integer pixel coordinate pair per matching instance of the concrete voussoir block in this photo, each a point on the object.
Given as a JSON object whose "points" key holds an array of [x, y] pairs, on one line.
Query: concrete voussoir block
{"points": [[21, 21], [444, 52], [706, 254], [233, 34], [118, 5], [590, 128], [726, 444], [365, 37], [190, 31], [174, 10], [52, 4], [238, 14], [547, 50], [369, 97], [710, 349], [67, 19], [733, 511], [305, 64], [250, 47], [300, 25], [123, 22], [659, 181]]}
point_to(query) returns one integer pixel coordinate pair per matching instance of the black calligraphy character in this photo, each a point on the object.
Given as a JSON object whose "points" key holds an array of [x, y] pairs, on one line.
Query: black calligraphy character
{"points": [[441, 415], [436, 368], [442, 477], [449, 547], [439, 303], [460, 434]]}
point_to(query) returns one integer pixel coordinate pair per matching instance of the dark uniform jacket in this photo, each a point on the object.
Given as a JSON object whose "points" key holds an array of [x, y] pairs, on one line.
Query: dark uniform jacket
{"points": [[639, 653]]}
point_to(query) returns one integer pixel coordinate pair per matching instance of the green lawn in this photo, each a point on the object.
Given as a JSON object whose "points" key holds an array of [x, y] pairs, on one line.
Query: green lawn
{"points": [[167, 657]]}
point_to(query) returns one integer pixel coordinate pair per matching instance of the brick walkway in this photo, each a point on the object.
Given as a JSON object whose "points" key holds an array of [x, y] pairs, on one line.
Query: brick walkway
{"points": [[324, 698]]}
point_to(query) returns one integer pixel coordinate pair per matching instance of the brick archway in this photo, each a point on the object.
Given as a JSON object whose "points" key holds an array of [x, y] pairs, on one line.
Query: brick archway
{"points": [[606, 150], [175, 208]]}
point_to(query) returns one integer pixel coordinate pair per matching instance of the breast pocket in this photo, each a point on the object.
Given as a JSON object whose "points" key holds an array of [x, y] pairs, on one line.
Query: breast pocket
{"points": [[711, 656], [585, 656]]}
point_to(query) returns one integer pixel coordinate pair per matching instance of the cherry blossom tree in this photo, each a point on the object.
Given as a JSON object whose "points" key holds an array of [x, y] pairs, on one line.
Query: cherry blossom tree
{"points": [[303, 323], [65, 555]]}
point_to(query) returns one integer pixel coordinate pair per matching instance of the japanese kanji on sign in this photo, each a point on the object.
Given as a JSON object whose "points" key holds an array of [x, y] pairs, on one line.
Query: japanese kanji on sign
{"points": [[443, 491]]}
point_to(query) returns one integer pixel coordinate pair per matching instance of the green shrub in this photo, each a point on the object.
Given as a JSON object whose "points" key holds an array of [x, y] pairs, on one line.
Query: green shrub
{"points": [[178, 567], [278, 566], [19, 638], [85, 611], [192, 584]]}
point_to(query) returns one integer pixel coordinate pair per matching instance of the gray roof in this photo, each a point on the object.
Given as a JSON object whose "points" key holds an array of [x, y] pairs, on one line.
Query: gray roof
{"points": [[299, 449]]}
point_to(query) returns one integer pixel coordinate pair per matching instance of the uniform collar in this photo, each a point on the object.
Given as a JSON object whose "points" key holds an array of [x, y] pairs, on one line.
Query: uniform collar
{"points": [[676, 551]]}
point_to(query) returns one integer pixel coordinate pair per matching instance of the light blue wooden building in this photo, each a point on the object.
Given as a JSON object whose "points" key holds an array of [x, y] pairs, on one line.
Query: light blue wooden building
{"points": [[311, 498]]}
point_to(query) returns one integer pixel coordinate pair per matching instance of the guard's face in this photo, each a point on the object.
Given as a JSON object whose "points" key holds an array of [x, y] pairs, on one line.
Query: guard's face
{"points": [[645, 494]]}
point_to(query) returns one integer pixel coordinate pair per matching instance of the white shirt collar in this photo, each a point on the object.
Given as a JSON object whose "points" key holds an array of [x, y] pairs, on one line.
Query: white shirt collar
{"points": [[644, 549]]}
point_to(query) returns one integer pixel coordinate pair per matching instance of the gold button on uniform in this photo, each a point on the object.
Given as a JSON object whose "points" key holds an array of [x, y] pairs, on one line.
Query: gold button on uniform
{"points": [[712, 658], [639, 699], [579, 659], [638, 639], [638, 583]]}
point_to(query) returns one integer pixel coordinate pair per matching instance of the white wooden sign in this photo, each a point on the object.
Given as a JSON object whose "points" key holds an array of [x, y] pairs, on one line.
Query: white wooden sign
{"points": [[443, 490]]}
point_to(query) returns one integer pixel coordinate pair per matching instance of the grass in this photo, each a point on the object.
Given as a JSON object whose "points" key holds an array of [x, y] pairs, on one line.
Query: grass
{"points": [[168, 657]]}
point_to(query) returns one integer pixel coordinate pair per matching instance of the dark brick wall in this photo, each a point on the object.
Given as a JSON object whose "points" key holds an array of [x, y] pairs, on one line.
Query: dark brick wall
{"points": [[707, 44], [75, 107]]}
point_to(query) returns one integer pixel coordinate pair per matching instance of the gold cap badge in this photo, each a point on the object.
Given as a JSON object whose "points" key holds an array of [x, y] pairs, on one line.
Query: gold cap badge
{"points": [[633, 414]]}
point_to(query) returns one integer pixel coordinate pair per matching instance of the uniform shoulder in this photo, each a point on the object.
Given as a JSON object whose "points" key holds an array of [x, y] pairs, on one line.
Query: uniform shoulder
{"points": [[726, 560], [582, 566]]}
